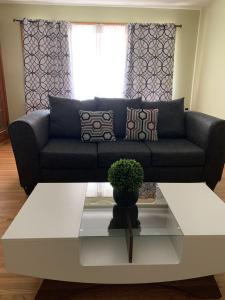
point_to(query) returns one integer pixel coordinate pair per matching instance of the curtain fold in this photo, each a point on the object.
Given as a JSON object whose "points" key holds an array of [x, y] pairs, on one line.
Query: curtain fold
{"points": [[46, 62], [150, 61]]}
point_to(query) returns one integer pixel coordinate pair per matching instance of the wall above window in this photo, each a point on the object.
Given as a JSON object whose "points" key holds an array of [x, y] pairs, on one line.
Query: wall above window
{"points": [[171, 4]]}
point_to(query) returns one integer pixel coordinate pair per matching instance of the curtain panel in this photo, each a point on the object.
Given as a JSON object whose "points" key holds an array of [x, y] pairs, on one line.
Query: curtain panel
{"points": [[150, 61], [46, 62]]}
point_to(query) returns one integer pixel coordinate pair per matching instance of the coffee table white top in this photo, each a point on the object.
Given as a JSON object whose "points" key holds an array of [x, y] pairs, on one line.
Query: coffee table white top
{"points": [[197, 209], [54, 210]]}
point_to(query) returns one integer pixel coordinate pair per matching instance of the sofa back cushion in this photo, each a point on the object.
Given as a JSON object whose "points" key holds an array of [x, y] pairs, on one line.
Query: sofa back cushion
{"points": [[119, 108], [170, 117], [65, 118]]}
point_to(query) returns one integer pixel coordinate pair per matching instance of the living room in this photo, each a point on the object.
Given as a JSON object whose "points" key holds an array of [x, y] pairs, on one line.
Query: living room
{"points": [[194, 121]]}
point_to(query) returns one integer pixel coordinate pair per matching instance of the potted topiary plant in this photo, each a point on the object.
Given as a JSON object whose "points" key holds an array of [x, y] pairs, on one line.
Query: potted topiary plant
{"points": [[126, 177]]}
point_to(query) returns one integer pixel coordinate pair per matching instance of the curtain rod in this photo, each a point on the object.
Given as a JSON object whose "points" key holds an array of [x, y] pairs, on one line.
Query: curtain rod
{"points": [[17, 20]]}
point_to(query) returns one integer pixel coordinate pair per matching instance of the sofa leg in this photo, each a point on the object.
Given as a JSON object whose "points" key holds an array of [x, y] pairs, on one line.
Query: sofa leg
{"points": [[28, 189]]}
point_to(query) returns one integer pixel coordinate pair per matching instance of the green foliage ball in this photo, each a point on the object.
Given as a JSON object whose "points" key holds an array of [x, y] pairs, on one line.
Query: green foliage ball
{"points": [[126, 175]]}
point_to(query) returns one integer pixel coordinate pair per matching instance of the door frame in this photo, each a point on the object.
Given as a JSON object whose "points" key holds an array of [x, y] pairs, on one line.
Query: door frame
{"points": [[3, 131]]}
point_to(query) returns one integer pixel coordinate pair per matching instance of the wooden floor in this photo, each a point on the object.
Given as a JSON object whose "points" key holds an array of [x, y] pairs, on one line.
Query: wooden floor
{"points": [[13, 287]]}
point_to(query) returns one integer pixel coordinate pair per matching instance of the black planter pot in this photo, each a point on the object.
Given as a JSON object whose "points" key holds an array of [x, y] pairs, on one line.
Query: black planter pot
{"points": [[125, 198]]}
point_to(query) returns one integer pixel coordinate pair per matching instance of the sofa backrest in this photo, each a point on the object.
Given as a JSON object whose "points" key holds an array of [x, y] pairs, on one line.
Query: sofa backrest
{"points": [[119, 108], [170, 117], [65, 118]]}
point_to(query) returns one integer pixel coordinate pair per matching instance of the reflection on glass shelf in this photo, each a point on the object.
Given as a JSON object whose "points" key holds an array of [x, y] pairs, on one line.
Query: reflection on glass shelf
{"points": [[101, 194], [101, 217]]}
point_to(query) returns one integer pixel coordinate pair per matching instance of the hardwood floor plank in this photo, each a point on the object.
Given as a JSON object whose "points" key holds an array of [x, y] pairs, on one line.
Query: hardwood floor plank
{"points": [[12, 197], [15, 287]]}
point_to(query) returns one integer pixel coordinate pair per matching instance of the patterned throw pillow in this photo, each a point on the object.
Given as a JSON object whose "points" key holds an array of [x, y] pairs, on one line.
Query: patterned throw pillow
{"points": [[142, 124], [97, 126]]}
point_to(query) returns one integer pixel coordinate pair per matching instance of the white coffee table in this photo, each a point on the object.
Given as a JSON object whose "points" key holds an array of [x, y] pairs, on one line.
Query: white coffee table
{"points": [[44, 240]]}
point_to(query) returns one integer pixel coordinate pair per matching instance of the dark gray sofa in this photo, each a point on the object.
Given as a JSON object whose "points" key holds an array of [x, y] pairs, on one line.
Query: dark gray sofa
{"points": [[47, 146]]}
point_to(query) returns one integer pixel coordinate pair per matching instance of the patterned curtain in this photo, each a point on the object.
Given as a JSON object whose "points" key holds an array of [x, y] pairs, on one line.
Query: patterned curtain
{"points": [[46, 62], [150, 61]]}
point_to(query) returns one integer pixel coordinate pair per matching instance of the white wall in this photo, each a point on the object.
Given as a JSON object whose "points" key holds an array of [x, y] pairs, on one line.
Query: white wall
{"points": [[209, 80]]}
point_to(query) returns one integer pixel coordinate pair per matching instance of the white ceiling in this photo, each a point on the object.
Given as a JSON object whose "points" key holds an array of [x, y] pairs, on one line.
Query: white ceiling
{"points": [[179, 4]]}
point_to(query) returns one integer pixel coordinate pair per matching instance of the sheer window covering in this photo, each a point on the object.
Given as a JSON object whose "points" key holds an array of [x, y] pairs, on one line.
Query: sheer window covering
{"points": [[98, 60]]}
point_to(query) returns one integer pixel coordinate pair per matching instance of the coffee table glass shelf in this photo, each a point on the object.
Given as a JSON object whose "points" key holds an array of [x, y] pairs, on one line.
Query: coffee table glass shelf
{"points": [[145, 233]]}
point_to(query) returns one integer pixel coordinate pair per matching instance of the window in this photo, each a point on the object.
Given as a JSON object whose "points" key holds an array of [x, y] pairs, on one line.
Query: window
{"points": [[98, 60]]}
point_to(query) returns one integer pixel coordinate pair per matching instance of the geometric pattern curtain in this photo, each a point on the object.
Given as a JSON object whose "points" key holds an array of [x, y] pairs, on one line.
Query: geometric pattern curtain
{"points": [[46, 62], [150, 61]]}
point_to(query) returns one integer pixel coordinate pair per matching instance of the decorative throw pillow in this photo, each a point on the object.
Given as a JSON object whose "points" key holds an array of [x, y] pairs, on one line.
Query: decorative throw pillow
{"points": [[97, 126], [142, 124]]}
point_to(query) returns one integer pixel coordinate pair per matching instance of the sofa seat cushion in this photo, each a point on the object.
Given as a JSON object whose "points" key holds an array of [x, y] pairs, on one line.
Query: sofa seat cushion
{"points": [[176, 152], [68, 154], [108, 152]]}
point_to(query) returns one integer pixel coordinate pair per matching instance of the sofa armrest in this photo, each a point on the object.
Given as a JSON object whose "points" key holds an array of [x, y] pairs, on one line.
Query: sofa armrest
{"points": [[29, 134], [208, 133]]}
